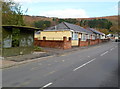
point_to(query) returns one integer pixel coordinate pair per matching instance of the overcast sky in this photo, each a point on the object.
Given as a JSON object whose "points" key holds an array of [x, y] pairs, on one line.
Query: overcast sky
{"points": [[70, 8]]}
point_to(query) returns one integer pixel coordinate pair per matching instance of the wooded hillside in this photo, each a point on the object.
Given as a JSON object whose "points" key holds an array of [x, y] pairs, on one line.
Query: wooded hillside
{"points": [[104, 24]]}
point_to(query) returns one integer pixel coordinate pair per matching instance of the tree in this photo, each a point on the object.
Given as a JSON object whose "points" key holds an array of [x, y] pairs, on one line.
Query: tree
{"points": [[114, 29], [96, 23], [42, 24], [73, 21], [12, 13]]}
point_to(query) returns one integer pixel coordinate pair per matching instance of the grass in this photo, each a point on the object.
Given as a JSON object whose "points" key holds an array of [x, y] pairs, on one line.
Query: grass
{"points": [[37, 48]]}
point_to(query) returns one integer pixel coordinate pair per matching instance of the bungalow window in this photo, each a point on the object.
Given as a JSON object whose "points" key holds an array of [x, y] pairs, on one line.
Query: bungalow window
{"points": [[87, 36], [98, 36], [74, 36], [93, 37], [83, 37]]}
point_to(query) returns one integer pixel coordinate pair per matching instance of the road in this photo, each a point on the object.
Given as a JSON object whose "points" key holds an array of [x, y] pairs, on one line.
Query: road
{"points": [[96, 66]]}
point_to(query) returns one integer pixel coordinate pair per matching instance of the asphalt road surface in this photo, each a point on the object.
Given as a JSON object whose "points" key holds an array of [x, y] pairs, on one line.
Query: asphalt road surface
{"points": [[96, 66]]}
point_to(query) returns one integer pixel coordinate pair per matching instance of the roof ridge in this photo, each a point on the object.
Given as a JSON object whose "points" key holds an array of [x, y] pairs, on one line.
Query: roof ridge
{"points": [[66, 25]]}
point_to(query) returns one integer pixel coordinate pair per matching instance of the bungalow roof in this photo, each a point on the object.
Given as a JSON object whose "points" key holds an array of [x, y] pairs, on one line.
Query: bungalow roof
{"points": [[95, 31], [68, 26]]}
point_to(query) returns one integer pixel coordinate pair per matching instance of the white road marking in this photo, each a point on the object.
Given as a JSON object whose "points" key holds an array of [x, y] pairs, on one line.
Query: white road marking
{"points": [[84, 64], [46, 85], [111, 49], [104, 53], [63, 60]]}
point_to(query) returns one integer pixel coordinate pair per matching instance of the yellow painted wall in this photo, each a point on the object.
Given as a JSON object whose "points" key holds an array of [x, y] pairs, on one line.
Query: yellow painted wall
{"points": [[57, 35], [37, 35], [74, 42], [53, 35]]}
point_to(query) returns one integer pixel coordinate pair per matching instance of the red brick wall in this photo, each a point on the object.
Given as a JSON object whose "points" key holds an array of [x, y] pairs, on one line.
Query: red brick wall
{"points": [[54, 43], [35, 38], [91, 42], [83, 43], [64, 44], [105, 40]]}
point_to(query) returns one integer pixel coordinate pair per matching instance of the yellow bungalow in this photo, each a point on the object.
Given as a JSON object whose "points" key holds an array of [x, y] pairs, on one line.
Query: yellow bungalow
{"points": [[65, 29]]}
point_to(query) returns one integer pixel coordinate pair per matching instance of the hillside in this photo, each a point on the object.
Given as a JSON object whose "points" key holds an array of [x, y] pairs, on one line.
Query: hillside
{"points": [[30, 19], [106, 17], [113, 19]]}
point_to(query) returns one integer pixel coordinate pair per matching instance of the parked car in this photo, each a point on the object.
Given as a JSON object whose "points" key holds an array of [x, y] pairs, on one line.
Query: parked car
{"points": [[117, 40]]}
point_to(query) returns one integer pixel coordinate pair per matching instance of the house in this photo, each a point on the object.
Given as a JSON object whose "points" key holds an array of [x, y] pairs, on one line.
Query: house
{"points": [[65, 29], [17, 40], [98, 34], [65, 35]]}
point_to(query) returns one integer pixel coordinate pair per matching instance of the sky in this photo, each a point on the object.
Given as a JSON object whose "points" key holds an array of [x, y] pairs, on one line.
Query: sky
{"points": [[70, 8]]}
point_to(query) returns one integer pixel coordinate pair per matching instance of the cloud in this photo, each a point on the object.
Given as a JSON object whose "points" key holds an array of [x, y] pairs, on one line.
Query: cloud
{"points": [[66, 13], [34, 1]]}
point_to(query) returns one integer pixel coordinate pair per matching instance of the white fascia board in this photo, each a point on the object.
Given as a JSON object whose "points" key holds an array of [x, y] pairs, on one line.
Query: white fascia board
{"points": [[84, 32], [72, 30]]}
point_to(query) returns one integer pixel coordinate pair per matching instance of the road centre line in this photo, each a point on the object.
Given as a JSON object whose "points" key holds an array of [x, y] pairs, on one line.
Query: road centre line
{"points": [[46, 85], [104, 53], [84, 64]]}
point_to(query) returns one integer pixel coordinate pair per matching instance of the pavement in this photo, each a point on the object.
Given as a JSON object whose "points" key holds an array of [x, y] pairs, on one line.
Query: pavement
{"points": [[95, 66], [48, 52]]}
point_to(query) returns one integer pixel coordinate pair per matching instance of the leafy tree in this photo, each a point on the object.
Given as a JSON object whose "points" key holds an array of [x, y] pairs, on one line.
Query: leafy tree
{"points": [[73, 21], [42, 24], [97, 23], [12, 13], [115, 29]]}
